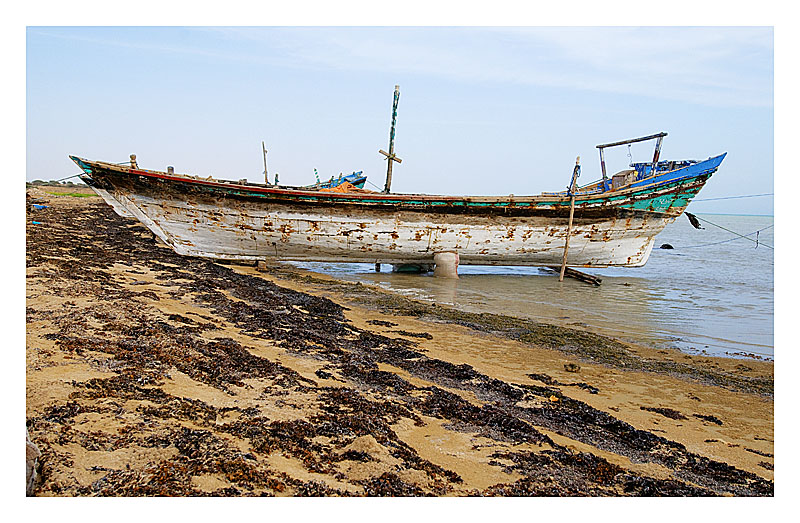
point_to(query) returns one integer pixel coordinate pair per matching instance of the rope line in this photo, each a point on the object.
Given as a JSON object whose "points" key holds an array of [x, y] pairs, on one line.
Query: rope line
{"points": [[372, 184], [68, 177], [734, 197], [745, 236]]}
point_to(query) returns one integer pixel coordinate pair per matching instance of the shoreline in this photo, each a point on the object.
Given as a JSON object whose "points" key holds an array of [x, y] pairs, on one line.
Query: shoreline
{"points": [[582, 343], [153, 374], [685, 343]]}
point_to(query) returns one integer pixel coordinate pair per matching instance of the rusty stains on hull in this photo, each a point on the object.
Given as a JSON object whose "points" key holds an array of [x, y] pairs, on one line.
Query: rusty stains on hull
{"points": [[226, 221]]}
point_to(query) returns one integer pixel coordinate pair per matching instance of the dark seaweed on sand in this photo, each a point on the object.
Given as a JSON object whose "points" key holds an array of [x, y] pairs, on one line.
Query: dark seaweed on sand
{"points": [[121, 333]]}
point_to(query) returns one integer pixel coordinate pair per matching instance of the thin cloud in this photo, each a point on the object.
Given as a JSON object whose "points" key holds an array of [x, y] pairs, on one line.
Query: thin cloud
{"points": [[707, 66]]}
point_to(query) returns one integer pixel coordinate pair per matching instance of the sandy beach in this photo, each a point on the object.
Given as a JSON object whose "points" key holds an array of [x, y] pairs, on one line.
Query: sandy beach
{"points": [[152, 374]]}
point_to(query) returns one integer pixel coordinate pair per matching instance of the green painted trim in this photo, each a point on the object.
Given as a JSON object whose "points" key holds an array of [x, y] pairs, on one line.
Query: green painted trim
{"points": [[658, 203], [638, 200]]}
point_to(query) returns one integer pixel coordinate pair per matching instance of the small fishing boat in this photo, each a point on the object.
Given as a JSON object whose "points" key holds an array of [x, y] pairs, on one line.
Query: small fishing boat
{"points": [[610, 222], [356, 179]]}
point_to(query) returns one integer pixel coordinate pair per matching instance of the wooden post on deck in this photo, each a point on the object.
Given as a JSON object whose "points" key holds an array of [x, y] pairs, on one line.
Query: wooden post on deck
{"points": [[603, 168], [390, 157], [575, 173], [264, 150], [656, 154]]}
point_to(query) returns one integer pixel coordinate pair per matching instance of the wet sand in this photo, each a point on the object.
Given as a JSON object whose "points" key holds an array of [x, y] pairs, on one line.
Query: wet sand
{"points": [[154, 374]]}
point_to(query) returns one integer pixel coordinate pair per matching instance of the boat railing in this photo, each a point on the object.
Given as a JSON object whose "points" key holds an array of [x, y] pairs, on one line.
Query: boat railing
{"points": [[586, 189]]}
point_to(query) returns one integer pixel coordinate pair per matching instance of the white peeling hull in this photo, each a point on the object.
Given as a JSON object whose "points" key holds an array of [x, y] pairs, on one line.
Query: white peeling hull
{"points": [[113, 202], [251, 231]]}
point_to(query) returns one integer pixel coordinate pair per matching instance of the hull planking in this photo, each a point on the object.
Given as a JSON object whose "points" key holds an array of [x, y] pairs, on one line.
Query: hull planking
{"points": [[250, 222]]}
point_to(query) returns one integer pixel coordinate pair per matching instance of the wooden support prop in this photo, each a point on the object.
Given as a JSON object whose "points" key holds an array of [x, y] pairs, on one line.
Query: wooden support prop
{"points": [[390, 156], [578, 275], [575, 173]]}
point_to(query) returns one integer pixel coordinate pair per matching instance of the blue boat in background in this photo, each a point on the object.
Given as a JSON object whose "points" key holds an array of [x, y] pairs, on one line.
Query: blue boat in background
{"points": [[355, 178]]}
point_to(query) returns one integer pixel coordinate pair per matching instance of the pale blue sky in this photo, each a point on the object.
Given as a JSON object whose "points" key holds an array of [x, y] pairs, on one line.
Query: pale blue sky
{"points": [[482, 110]]}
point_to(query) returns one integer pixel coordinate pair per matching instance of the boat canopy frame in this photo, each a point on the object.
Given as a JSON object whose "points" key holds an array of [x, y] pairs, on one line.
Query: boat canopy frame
{"points": [[659, 137]]}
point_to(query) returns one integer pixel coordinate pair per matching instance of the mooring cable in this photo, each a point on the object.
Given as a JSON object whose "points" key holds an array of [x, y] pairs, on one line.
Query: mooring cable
{"points": [[745, 236], [372, 184], [735, 197], [73, 176]]}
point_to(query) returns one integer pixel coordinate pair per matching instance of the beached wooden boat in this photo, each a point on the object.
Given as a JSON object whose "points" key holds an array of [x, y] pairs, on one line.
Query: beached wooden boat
{"points": [[615, 223]]}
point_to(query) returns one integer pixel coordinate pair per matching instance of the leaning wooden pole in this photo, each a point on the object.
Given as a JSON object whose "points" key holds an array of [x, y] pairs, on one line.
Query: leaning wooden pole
{"points": [[575, 173], [390, 157], [264, 151]]}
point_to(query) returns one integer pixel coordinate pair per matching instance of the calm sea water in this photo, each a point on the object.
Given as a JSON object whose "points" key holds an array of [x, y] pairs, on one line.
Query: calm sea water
{"points": [[713, 293]]}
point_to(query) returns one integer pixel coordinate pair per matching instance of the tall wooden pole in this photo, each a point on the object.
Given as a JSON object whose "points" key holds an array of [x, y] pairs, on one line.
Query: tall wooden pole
{"points": [[390, 157], [575, 173], [264, 150]]}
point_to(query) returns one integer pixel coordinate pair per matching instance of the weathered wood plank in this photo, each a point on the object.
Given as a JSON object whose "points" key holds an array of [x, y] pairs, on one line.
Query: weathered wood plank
{"points": [[578, 275]]}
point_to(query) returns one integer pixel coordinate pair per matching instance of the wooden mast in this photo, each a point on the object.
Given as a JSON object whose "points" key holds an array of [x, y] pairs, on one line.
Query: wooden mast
{"points": [[390, 157]]}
